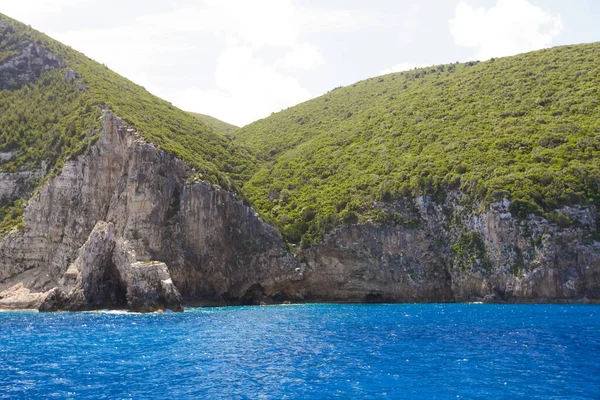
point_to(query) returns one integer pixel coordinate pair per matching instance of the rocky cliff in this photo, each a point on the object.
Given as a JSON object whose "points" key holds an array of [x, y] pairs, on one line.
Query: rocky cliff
{"points": [[125, 227], [121, 227], [486, 254], [128, 225]]}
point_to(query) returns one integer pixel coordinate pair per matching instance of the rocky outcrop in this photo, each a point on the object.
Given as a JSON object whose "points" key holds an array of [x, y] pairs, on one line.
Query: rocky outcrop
{"points": [[19, 184], [28, 66], [499, 257], [370, 263], [73, 76], [100, 278], [149, 287], [92, 281], [460, 255], [122, 219], [27, 290]]}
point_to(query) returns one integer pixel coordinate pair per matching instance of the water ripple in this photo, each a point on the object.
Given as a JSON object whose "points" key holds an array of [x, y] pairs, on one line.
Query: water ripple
{"points": [[306, 352]]}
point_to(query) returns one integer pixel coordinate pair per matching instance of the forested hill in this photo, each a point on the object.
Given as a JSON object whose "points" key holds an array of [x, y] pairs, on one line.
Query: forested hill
{"points": [[53, 113], [51, 98], [525, 128]]}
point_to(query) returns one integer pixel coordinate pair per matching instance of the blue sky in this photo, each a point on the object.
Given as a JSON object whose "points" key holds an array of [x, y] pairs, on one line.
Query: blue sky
{"points": [[241, 60]]}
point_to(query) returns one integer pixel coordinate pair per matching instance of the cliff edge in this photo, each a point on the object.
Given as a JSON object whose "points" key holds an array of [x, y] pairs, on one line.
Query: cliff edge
{"points": [[125, 216]]}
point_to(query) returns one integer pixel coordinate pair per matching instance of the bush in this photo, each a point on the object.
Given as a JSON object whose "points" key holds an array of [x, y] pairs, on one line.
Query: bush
{"points": [[523, 208], [560, 219]]}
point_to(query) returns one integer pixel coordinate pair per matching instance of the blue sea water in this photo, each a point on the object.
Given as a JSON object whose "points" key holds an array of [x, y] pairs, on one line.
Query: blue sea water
{"points": [[467, 351]]}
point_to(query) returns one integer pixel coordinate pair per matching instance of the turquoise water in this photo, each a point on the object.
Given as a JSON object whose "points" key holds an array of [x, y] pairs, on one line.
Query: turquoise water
{"points": [[306, 352]]}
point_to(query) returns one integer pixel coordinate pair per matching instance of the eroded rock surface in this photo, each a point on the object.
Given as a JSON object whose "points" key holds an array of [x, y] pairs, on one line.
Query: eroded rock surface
{"points": [[150, 288], [213, 247], [19, 184], [27, 290], [92, 281], [459, 255], [28, 66], [370, 263]]}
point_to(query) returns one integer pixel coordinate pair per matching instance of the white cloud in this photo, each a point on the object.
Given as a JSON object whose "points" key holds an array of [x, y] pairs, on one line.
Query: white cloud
{"points": [[401, 67], [255, 22], [35, 11], [304, 56], [234, 59], [245, 87], [508, 28]]}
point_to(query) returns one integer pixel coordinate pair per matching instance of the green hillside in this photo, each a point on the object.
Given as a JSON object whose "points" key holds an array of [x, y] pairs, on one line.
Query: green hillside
{"points": [[53, 119], [525, 128], [216, 124]]}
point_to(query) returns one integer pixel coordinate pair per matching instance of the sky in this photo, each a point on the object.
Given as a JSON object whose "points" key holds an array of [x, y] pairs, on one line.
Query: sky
{"points": [[241, 60]]}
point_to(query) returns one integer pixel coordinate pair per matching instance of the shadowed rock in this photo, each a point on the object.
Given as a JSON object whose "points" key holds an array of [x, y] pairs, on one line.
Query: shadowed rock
{"points": [[150, 288], [94, 282]]}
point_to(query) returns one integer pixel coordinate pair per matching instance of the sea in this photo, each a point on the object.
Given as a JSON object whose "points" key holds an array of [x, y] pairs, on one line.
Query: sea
{"points": [[313, 351]]}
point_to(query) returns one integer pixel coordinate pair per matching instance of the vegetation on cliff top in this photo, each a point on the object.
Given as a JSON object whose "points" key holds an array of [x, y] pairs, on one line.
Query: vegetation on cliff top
{"points": [[525, 128], [58, 116], [51, 120]]}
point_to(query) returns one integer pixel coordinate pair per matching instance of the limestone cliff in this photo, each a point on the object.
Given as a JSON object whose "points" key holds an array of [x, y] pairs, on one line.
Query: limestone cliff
{"points": [[455, 254], [126, 225], [213, 247]]}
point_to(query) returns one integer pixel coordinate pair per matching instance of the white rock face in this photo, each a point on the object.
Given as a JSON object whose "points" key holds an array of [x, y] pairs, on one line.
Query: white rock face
{"points": [[97, 279], [212, 245], [25, 291], [149, 287], [18, 184], [453, 255]]}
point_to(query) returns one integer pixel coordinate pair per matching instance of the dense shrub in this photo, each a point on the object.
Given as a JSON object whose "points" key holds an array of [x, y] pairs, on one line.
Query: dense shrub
{"points": [[517, 127]]}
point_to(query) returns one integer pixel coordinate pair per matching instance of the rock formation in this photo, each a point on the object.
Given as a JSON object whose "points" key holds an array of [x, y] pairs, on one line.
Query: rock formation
{"points": [[101, 277], [458, 255], [28, 66], [120, 227], [19, 184], [126, 226]]}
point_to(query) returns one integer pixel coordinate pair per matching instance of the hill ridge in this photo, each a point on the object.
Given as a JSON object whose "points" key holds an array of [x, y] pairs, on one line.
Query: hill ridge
{"points": [[169, 128], [50, 111], [524, 127]]}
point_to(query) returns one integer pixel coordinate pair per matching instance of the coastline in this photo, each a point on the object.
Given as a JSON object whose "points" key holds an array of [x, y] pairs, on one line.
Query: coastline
{"points": [[213, 304]]}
